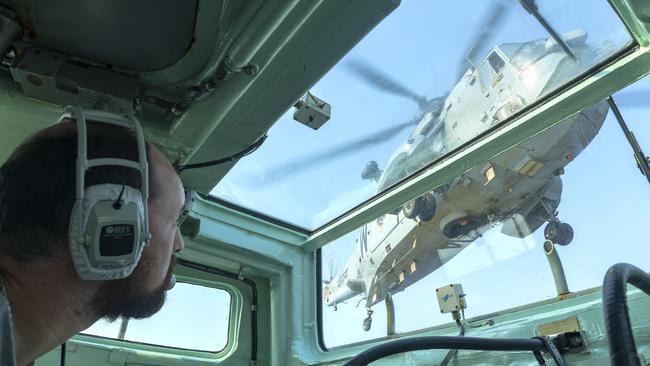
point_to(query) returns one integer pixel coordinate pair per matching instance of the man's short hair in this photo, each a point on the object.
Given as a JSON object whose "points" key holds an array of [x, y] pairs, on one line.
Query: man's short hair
{"points": [[37, 188]]}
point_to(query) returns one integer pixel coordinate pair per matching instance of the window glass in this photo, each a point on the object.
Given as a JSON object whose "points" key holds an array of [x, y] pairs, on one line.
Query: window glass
{"points": [[485, 73], [496, 62], [488, 227], [194, 317], [417, 64]]}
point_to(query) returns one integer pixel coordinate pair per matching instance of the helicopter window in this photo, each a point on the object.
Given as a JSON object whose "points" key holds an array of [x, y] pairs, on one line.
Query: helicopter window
{"points": [[425, 126], [439, 143], [529, 53], [496, 62], [208, 318], [397, 170], [485, 72], [510, 49], [376, 106]]}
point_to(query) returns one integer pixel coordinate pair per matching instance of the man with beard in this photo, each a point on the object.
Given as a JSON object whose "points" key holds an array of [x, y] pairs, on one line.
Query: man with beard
{"points": [[43, 301]]}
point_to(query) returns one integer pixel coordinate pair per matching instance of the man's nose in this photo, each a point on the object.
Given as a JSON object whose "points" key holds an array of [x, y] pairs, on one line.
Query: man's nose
{"points": [[178, 241]]}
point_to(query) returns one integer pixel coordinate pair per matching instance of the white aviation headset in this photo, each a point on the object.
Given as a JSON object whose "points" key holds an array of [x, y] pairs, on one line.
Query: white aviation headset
{"points": [[109, 223]]}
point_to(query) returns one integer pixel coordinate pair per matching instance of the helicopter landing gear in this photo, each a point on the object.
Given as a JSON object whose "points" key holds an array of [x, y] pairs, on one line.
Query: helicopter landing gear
{"points": [[558, 232], [412, 208], [429, 209], [423, 207], [367, 321]]}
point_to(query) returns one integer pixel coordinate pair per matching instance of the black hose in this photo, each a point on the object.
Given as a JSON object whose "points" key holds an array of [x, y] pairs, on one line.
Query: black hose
{"points": [[232, 158], [435, 342], [622, 349]]}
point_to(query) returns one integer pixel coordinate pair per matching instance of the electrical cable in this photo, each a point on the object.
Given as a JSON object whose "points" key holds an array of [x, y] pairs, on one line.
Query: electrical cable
{"points": [[118, 202], [620, 339], [247, 151], [553, 350], [453, 352], [63, 354], [489, 322]]}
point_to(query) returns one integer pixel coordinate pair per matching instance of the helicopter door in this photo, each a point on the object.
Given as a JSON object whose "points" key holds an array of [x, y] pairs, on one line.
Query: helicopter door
{"points": [[497, 64], [485, 73], [490, 72]]}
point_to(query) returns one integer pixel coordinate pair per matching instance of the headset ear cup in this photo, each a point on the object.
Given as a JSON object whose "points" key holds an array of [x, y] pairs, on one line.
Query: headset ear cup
{"points": [[105, 242]]}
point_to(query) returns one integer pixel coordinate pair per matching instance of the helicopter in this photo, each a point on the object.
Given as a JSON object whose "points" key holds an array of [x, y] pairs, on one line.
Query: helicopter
{"points": [[520, 189]]}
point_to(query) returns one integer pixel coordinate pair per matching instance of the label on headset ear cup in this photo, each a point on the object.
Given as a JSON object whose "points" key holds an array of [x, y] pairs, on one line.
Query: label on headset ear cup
{"points": [[116, 240]]}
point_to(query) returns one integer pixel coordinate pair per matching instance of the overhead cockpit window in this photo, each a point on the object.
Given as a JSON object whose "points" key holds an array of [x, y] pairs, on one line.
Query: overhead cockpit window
{"points": [[194, 317], [422, 59]]}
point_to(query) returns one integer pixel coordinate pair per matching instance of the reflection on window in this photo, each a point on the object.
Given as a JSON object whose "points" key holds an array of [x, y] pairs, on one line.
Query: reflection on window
{"points": [[576, 184], [193, 317]]}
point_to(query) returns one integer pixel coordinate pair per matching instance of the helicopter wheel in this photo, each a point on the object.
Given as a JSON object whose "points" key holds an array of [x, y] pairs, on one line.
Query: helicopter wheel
{"points": [[367, 323], [558, 232], [461, 226], [429, 207], [413, 208]]}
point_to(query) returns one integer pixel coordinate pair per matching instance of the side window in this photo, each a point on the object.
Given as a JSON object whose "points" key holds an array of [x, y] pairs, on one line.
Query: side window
{"points": [[485, 73], [194, 317], [496, 62]]}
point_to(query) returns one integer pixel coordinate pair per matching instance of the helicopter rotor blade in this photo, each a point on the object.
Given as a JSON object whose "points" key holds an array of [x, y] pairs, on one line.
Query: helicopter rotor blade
{"points": [[493, 19], [382, 81], [314, 160]]}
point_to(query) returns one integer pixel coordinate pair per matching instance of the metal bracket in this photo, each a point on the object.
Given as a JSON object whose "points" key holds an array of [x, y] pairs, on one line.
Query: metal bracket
{"points": [[54, 78], [566, 333], [641, 159]]}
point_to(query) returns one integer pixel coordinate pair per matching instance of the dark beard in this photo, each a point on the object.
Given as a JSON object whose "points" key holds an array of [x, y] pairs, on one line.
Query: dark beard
{"points": [[125, 298]]}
